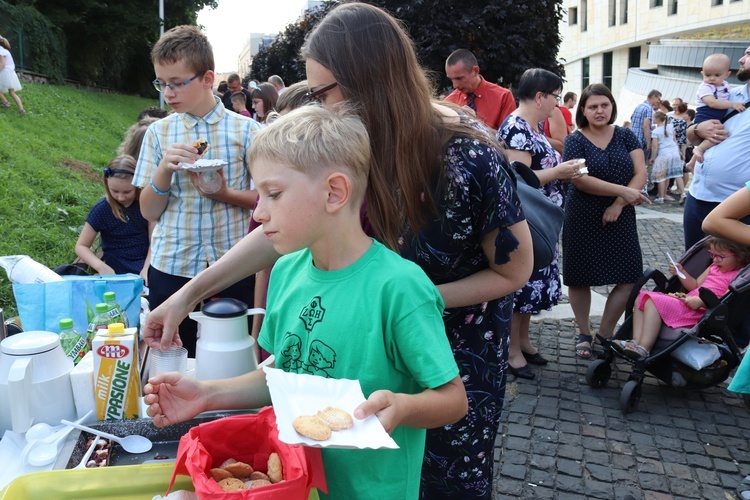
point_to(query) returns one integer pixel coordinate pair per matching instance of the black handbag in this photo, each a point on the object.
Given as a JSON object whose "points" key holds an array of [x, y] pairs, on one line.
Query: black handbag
{"points": [[545, 219]]}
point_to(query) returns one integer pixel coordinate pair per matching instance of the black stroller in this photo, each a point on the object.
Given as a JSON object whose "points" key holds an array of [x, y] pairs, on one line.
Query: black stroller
{"points": [[725, 323]]}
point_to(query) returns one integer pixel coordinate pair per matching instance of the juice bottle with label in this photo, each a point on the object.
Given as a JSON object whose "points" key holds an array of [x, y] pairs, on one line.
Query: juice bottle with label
{"points": [[73, 343], [100, 321], [116, 313]]}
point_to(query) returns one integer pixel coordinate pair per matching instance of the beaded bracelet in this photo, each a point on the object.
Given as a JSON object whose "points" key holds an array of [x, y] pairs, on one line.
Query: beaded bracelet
{"points": [[157, 190]]}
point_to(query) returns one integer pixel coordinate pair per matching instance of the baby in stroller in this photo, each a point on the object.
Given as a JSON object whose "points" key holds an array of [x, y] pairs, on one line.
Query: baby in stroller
{"points": [[676, 309]]}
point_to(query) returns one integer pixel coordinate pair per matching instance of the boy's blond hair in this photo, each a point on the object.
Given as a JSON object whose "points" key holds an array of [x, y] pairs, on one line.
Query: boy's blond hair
{"points": [[184, 43], [312, 139]]}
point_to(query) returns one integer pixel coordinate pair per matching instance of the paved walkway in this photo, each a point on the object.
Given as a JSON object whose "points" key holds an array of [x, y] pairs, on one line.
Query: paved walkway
{"points": [[561, 439]]}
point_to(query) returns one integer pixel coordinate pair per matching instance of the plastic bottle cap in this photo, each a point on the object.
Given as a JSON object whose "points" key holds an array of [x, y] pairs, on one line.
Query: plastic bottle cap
{"points": [[66, 324], [109, 296], [101, 307], [116, 328]]}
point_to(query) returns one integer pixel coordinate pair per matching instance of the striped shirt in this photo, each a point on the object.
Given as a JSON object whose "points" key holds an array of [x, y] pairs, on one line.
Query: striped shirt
{"points": [[195, 231]]}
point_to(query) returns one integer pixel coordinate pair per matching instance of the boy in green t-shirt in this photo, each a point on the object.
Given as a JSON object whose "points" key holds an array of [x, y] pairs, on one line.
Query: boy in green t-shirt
{"points": [[341, 305]]}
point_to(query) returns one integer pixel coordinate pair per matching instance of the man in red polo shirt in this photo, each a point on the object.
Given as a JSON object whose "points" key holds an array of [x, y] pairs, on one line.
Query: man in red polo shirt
{"points": [[491, 102]]}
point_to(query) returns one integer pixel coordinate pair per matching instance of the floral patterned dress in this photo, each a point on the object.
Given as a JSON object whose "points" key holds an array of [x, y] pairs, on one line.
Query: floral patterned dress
{"points": [[478, 197], [543, 289]]}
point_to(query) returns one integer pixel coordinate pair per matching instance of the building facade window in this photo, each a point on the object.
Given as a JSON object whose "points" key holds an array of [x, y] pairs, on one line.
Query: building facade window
{"points": [[623, 11], [634, 57], [607, 69], [672, 7], [585, 72], [584, 15], [572, 16], [656, 3], [715, 3], [612, 12]]}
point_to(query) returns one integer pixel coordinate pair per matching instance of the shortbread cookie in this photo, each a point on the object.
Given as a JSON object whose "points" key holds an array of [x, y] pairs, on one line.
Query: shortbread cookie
{"points": [[232, 484], [219, 474], [274, 468], [336, 418], [312, 427], [240, 470]]}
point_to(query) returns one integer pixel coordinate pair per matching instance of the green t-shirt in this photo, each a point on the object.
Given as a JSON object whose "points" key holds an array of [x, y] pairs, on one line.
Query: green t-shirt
{"points": [[378, 321]]}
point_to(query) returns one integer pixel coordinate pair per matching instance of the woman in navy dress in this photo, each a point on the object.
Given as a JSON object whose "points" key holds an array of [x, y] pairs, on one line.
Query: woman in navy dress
{"points": [[538, 95], [600, 237]]}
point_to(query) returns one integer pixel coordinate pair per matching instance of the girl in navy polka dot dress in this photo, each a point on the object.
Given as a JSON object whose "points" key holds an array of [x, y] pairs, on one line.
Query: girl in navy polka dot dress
{"points": [[125, 234]]}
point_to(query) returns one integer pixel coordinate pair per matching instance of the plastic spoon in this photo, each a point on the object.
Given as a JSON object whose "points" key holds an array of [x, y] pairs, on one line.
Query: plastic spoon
{"points": [[40, 431], [45, 451], [679, 273], [132, 444], [88, 453]]}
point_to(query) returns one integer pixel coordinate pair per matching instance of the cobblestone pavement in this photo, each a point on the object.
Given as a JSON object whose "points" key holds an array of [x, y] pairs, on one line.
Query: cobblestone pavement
{"points": [[561, 439]]}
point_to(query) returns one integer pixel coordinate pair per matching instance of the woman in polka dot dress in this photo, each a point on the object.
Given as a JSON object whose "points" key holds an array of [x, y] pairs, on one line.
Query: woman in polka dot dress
{"points": [[600, 238], [117, 217]]}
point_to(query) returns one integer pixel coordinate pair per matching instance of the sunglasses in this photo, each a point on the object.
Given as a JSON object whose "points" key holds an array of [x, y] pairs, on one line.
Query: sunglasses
{"points": [[718, 257], [316, 94], [110, 172]]}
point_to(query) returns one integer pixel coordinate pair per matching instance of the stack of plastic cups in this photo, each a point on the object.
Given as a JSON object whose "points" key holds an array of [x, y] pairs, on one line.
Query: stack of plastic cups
{"points": [[174, 360]]}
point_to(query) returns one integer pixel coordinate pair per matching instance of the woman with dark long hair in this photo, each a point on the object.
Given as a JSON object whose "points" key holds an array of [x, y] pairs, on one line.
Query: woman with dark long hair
{"points": [[439, 194]]}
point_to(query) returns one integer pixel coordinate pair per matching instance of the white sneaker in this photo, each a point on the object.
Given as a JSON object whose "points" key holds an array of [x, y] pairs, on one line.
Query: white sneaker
{"points": [[673, 189], [659, 200]]}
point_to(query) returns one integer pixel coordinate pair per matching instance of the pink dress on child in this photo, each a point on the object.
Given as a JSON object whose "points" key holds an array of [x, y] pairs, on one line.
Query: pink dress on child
{"points": [[674, 312]]}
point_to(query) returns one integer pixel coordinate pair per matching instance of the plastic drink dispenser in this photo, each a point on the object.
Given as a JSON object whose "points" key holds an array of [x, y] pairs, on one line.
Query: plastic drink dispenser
{"points": [[224, 348]]}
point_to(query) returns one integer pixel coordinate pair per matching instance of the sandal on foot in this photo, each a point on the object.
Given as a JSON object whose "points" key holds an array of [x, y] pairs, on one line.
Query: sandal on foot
{"points": [[5, 104], [584, 351], [635, 351]]}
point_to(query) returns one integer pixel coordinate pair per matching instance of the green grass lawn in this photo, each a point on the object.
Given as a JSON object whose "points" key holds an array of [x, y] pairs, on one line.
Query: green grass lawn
{"points": [[51, 162]]}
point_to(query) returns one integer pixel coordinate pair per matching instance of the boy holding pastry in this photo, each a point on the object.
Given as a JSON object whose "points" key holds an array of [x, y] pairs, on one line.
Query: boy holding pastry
{"points": [[341, 305], [193, 228]]}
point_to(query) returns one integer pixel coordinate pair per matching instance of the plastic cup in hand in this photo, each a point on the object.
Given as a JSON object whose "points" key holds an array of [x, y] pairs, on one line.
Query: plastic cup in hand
{"points": [[174, 360], [209, 181]]}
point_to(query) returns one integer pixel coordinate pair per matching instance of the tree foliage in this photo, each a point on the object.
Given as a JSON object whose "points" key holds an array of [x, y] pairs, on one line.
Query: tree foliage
{"points": [[507, 36], [282, 56], [109, 43], [36, 43]]}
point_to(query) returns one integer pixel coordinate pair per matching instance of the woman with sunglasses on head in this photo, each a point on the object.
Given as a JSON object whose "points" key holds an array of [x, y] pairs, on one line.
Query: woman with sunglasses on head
{"points": [[439, 195], [125, 234]]}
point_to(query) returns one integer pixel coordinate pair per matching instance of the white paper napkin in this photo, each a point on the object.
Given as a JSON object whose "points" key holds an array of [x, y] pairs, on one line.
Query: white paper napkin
{"points": [[296, 394]]}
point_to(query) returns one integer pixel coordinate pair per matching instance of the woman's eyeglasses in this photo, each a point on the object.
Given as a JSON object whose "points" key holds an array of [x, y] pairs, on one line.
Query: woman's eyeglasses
{"points": [[176, 86], [110, 172], [317, 94], [719, 257], [557, 97]]}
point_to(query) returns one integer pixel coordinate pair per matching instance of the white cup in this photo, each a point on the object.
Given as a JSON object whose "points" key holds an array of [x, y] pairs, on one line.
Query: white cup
{"points": [[174, 360]]}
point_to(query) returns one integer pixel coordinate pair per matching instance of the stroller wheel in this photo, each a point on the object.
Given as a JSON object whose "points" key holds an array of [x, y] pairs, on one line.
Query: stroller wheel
{"points": [[598, 373], [630, 396]]}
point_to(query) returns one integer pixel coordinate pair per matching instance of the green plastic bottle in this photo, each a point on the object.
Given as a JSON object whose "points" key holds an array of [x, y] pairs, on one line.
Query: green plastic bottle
{"points": [[73, 343], [116, 313], [101, 321]]}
